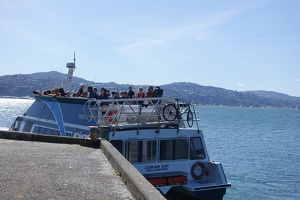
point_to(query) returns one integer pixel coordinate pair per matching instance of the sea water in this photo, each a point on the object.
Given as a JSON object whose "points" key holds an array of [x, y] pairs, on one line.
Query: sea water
{"points": [[11, 108], [259, 148]]}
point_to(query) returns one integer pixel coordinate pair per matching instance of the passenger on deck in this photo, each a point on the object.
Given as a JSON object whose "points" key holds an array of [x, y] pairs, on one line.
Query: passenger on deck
{"points": [[96, 91], [108, 94], [81, 89], [84, 94], [36, 92], [61, 92], [130, 92], [91, 93], [140, 94], [74, 94], [56, 93], [68, 94], [113, 93], [103, 95], [121, 94], [117, 96], [125, 95], [158, 92], [149, 94]]}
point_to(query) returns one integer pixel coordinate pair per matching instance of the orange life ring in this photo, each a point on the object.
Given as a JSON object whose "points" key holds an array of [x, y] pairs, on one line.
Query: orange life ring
{"points": [[195, 168], [112, 118]]}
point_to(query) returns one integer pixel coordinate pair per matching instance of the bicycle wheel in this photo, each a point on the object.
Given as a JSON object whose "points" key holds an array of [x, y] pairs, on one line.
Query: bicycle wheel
{"points": [[170, 112], [190, 118]]}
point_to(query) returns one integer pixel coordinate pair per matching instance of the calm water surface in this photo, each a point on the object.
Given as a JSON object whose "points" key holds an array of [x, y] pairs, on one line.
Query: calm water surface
{"points": [[11, 108], [259, 148]]}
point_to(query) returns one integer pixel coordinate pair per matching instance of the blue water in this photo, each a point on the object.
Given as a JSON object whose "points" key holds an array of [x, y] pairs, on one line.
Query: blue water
{"points": [[259, 148], [11, 108]]}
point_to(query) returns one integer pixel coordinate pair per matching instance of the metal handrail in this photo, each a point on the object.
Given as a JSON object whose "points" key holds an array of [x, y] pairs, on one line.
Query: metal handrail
{"points": [[131, 112]]}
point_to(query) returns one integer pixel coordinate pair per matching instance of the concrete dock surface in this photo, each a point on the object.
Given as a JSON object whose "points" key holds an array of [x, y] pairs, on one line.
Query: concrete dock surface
{"points": [[40, 170]]}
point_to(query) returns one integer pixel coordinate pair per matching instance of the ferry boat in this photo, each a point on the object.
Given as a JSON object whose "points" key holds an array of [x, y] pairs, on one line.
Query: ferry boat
{"points": [[159, 136]]}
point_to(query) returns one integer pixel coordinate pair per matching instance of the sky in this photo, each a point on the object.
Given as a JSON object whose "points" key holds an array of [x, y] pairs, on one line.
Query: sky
{"points": [[234, 44]]}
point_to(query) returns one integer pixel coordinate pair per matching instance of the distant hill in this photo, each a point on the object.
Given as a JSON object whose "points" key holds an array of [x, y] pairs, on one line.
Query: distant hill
{"points": [[273, 95], [20, 85]]}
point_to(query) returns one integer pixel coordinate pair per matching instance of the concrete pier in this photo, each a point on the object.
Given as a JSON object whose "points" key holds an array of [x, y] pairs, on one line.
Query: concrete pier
{"points": [[37, 167]]}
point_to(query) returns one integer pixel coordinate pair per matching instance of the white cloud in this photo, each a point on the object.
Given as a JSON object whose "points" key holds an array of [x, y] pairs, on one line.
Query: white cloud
{"points": [[240, 84], [298, 79]]}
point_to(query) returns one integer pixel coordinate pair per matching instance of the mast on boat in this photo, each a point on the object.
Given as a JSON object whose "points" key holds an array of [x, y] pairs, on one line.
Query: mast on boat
{"points": [[71, 67]]}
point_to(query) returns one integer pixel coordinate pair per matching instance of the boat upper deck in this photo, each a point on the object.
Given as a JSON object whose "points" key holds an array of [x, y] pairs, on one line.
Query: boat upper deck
{"points": [[142, 113]]}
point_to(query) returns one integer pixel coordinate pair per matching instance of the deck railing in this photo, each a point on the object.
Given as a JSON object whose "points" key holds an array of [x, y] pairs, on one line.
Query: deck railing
{"points": [[141, 112]]}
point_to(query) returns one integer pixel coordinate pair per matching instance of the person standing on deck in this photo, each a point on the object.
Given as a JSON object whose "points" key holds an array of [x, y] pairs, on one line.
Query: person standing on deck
{"points": [[81, 89], [130, 92]]}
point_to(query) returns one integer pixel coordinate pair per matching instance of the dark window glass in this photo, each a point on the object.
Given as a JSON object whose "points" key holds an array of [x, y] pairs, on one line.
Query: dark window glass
{"points": [[174, 149], [197, 150], [140, 151], [118, 144]]}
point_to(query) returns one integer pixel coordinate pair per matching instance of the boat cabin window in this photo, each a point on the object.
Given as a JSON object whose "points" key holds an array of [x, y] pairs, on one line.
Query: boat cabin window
{"points": [[197, 150], [174, 149], [41, 130], [140, 151], [118, 144]]}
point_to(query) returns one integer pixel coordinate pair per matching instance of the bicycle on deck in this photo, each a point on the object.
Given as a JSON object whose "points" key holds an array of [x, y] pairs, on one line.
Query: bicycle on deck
{"points": [[173, 111]]}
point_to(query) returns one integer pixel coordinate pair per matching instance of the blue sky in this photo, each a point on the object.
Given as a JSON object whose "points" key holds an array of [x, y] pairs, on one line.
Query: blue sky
{"points": [[239, 45]]}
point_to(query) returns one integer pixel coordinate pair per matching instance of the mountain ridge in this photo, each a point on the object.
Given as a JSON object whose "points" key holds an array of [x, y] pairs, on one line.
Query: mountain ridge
{"points": [[19, 85]]}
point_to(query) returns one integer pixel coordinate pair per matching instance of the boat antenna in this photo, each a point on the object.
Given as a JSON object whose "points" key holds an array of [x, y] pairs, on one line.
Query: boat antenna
{"points": [[62, 78], [74, 58]]}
